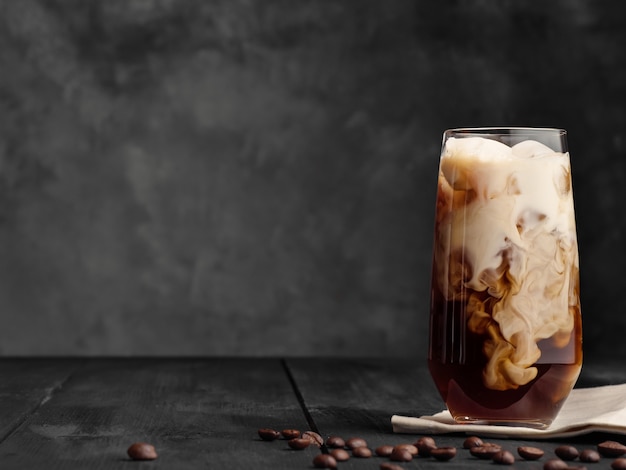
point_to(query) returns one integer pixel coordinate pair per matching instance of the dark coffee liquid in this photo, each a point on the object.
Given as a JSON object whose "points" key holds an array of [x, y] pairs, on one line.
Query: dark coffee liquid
{"points": [[457, 361]]}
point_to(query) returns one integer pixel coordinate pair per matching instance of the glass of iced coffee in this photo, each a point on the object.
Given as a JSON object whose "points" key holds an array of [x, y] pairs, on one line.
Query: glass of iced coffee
{"points": [[505, 322]]}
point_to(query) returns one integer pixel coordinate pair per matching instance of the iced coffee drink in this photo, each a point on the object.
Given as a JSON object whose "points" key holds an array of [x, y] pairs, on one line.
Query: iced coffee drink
{"points": [[505, 324]]}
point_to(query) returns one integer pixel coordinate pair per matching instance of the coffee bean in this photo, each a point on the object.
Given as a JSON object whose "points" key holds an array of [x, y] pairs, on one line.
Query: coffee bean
{"points": [[443, 453], [472, 441], [335, 442], [355, 442], [566, 452], [619, 464], [324, 461], [384, 451], [142, 451], [299, 443], [555, 464], [362, 452], [314, 437], [504, 457], [589, 455], [425, 445], [390, 466], [611, 449], [410, 447], [340, 455], [268, 434], [530, 453], [400, 455], [290, 433], [485, 451]]}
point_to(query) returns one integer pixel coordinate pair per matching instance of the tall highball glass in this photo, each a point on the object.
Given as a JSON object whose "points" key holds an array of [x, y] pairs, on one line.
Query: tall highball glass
{"points": [[505, 322]]}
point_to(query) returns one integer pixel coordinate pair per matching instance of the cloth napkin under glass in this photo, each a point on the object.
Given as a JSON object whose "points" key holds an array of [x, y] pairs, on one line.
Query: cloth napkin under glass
{"points": [[585, 410]]}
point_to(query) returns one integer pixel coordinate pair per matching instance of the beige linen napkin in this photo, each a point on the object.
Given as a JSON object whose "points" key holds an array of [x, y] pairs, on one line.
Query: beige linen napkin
{"points": [[585, 410]]}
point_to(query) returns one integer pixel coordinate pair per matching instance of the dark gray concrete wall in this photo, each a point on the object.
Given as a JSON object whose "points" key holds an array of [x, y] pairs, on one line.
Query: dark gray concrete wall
{"points": [[234, 177]]}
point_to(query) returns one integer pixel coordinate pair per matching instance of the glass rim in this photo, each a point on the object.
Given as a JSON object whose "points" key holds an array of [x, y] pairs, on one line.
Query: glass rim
{"points": [[504, 130]]}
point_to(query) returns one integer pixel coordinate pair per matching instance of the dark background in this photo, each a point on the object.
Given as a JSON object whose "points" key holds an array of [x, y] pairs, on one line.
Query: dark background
{"points": [[258, 177]]}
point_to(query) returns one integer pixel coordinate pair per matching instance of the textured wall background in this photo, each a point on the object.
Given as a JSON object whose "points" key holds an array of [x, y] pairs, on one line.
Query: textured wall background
{"points": [[240, 177]]}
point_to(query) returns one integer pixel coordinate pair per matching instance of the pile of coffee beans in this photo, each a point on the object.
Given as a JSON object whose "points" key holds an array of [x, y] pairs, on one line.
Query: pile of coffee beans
{"points": [[335, 449]]}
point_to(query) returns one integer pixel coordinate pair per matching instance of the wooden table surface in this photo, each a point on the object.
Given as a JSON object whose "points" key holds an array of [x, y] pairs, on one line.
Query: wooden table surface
{"points": [[205, 413]]}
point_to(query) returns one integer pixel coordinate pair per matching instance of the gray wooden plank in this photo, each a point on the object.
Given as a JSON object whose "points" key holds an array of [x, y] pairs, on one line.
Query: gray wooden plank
{"points": [[358, 397], [351, 395], [199, 413], [26, 384]]}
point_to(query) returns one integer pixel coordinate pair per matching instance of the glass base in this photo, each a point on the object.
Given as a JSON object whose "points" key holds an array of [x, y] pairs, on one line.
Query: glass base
{"points": [[526, 423]]}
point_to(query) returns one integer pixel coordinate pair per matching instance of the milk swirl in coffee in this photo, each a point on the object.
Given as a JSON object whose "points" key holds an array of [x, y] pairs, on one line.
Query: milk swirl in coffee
{"points": [[505, 314]]}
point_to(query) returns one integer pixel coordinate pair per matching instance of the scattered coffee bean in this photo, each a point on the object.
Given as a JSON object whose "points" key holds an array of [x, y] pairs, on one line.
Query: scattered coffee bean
{"points": [[409, 447], [299, 443], [268, 434], [619, 464], [485, 451], [555, 464], [340, 455], [290, 433], [530, 453], [390, 466], [384, 451], [400, 455], [472, 441], [314, 437], [362, 452], [142, 451], [355, 442], [443, 453], [504, 457], [335, 442], [324, 461], [566, 452], [425, 445], [611, 449], [589, 455]]}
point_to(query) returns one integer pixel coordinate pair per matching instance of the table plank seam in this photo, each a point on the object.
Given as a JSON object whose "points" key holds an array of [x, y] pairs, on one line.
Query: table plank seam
{"points": [[49, 393], [296, 390]]}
